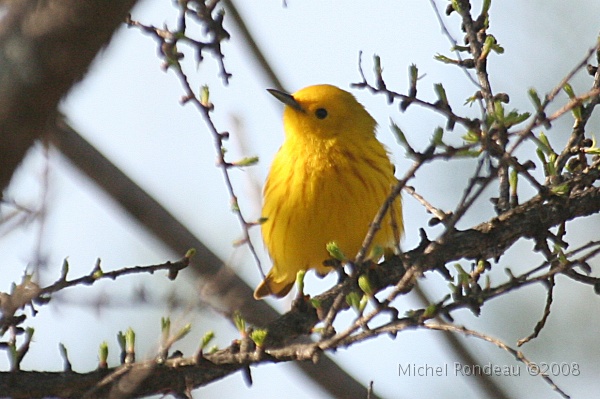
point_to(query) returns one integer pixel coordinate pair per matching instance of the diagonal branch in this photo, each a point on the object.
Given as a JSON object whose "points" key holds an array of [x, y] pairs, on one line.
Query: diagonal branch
{"points": [[488, 240], [45, 47]]}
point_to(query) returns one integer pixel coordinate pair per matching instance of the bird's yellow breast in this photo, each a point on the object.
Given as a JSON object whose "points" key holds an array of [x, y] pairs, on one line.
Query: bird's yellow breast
{"points": [[324, 192]]}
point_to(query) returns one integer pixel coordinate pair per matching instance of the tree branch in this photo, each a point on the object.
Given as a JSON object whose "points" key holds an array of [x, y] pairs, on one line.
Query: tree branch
{"points": [[45, 47], [488, 240]]}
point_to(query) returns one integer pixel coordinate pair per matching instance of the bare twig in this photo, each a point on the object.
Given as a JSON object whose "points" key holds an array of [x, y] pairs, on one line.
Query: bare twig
{"points": [[540, 324], [98, 274], [438, 213], [29, 292], [376, 224], [518, 355], [452, 40], [167, 42]]}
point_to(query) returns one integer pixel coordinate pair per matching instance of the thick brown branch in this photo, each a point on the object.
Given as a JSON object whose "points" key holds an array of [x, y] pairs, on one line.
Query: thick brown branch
{"points": [[45, 47], [144, 378], [138, 380]]}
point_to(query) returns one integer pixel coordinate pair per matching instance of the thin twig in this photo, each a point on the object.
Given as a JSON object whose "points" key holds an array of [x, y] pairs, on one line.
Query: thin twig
{"points": [[98, 274], [167, 43], [548, 98], [518, 355], [376, 223], [438, 213], [452, 41], [542, 322]]}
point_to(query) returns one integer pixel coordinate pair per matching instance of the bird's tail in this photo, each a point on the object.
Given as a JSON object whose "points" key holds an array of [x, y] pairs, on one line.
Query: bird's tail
{"points": [[272, 286]]}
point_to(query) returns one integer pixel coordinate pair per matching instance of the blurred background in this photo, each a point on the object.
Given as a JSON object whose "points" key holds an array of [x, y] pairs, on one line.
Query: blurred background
{"points": [[130, 110]]}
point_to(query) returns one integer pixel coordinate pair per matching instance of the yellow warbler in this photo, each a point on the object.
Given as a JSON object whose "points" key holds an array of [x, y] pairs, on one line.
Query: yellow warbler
{"points": [[326, 183]]}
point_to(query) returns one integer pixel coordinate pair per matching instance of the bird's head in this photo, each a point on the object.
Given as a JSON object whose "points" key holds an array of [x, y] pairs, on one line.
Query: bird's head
{"points": [[324, 111]]}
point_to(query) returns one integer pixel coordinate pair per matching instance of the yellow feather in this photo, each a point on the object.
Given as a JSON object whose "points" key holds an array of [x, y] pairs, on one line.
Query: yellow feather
{"points": [[326, 183]]}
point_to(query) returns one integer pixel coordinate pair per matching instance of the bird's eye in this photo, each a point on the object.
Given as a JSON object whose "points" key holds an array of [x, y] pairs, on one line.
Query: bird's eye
{"points": [[321, 113]]}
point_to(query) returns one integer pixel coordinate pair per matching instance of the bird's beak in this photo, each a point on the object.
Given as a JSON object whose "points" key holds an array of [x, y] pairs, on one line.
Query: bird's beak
{"points": [[286, 98]]}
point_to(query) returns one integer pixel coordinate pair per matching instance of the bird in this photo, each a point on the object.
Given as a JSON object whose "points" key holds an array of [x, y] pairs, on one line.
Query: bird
{"points": [[326, 184]]}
